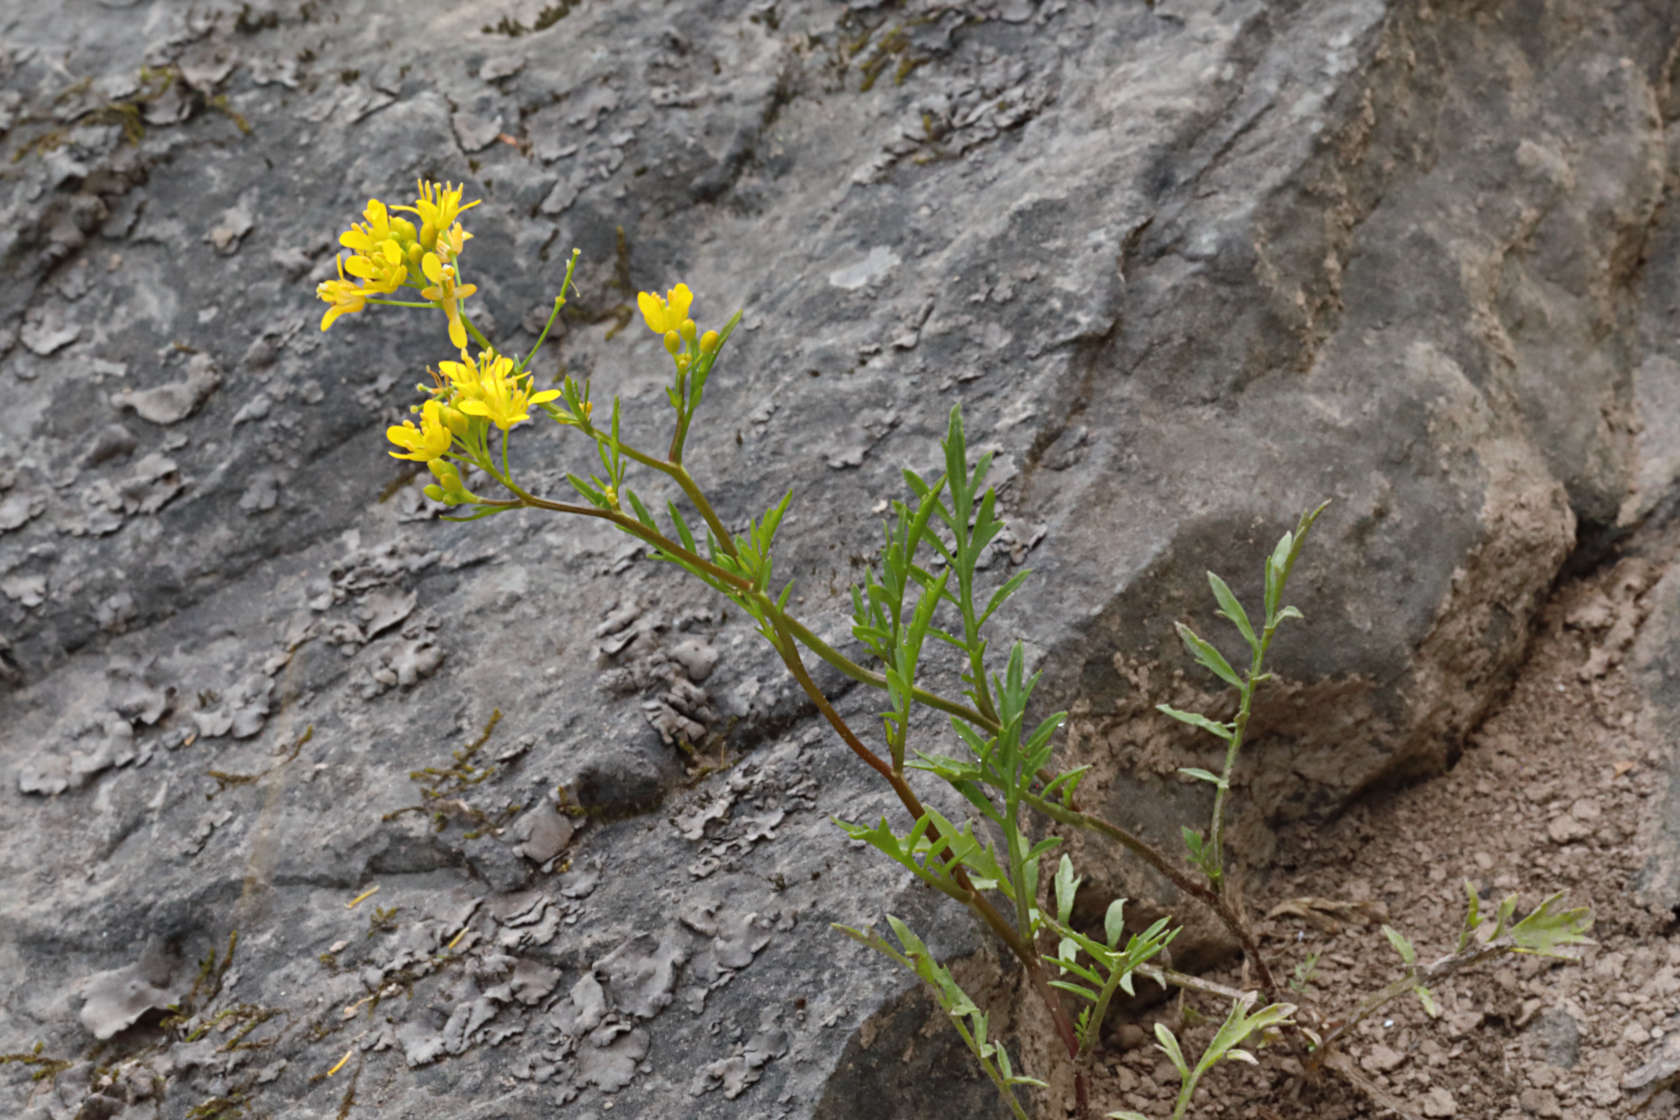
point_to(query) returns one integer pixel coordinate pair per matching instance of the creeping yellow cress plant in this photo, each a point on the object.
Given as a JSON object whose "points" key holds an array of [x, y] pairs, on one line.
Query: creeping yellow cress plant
{"points": [[992, 864]]}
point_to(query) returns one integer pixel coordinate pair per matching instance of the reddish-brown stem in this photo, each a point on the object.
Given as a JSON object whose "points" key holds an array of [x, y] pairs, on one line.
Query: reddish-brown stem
{"points": [[1218, 901], [1019, 943]]}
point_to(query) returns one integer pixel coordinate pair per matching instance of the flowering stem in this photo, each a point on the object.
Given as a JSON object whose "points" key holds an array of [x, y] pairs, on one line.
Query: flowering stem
{"points": [[399, 303], [483, 343], [682, 478], [798, 630], [559, 302], [634, 528]]}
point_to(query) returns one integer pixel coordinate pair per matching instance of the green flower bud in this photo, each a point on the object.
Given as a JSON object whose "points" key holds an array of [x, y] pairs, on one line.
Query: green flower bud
{"points": [[444, 471], [435, 492]]}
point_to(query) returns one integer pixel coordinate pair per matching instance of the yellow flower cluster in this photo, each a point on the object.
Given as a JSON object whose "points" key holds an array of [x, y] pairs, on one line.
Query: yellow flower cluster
{"points": [[668, 315], [486, 387], [388, 253]]}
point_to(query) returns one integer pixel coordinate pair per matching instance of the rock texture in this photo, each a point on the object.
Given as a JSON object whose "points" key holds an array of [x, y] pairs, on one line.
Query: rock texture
{"points": [[1189, 267]]}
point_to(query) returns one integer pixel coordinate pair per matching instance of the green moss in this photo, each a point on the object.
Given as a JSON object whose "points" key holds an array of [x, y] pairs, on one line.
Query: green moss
{"points": [[349, 1097], [225, 779], [442, 789], [46, 1069], [548, 17], [382, 920], [221, 1108]]}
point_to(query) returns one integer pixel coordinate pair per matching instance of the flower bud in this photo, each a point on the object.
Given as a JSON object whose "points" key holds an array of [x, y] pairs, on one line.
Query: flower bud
{"points": [[434, 492], [588, 409], [683, 362], [455, 420], [673, 342], [444, 471], [709, 342], [688, 328]]}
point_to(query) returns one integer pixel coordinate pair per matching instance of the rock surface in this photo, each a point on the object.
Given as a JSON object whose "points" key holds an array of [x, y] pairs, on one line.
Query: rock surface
{"points": [[1189, 268]]}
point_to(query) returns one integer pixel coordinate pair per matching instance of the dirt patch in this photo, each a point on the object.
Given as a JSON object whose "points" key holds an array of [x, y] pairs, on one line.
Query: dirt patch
{"points": [[1557, 790]]}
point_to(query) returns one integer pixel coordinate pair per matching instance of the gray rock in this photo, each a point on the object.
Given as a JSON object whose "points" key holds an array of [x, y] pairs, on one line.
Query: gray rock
{"points": [[1188, 267]]}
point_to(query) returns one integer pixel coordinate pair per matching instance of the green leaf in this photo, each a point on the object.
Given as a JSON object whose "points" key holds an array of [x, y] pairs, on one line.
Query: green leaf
{"points": [[1204, 776], [1240, 1025], [1114, 922], [1196, 719], [1067, 885], [1233, 610], [683, 532], [1401, 945], [1545, 930], [1472, 916], [1193, 842], [1169, 1046], [1074, 989], [1207, 656], [1065, 783], [1280, 555], [1430, 1007], [1124, 1115], [1287, 612], [1004, 592]]}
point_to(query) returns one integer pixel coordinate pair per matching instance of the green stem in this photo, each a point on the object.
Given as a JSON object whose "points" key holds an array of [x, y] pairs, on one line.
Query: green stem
{"points": [[1216, 830], [399, 303], [1184, 1092], [876, 680], [483, 343], [679, 436], [677, 473], [632, 526]]}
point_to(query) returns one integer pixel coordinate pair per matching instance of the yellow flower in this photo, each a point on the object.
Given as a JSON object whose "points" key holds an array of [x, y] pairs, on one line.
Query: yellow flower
{"points": [[382, 246], [452, 241], [344, 296], [504, 398], [430, 440], [437, 207], [462, 384], [666, 314], [445, 293]]}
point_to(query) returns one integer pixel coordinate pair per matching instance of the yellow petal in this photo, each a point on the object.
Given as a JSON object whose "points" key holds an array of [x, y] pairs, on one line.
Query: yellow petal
{"points": [[653, 311]]}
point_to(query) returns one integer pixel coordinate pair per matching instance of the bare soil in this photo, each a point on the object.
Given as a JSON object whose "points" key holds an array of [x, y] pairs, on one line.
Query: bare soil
{"points": [[1556, 791]]}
